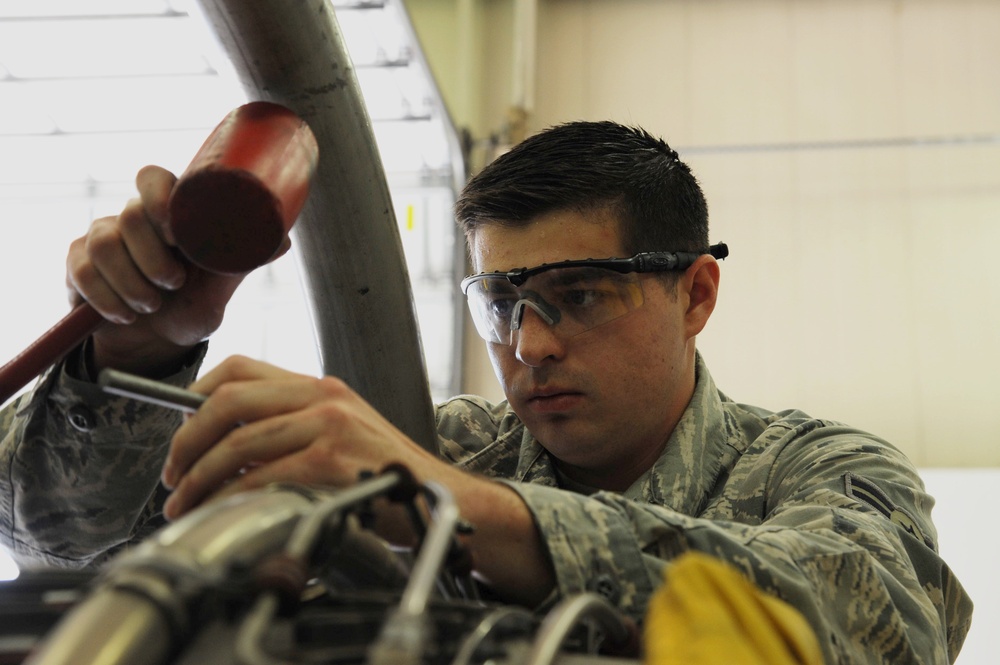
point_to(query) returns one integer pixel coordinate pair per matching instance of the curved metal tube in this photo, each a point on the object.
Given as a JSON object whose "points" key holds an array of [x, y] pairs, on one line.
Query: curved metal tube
{"points": [[135, 614], [300, 545], [292, 52], [406, 631], [565, 616], [520, 618]]}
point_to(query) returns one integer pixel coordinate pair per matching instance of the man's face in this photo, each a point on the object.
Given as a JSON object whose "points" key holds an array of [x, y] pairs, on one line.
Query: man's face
{"points": [[603, 402]]}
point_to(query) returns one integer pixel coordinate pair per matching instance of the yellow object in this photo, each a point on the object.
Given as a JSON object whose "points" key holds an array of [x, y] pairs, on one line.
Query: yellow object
{"points": [[708, 613]]}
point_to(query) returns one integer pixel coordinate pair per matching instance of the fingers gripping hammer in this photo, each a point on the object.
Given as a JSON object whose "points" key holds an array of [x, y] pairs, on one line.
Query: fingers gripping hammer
{"points": [[230, 212]]}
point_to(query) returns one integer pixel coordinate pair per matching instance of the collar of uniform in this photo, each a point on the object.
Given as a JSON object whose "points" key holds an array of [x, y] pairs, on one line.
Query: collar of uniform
{"points": [[696, 452]]}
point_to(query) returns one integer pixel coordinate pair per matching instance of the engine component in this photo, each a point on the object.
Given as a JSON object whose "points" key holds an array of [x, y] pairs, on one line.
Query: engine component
{"points": [[290, 575]]}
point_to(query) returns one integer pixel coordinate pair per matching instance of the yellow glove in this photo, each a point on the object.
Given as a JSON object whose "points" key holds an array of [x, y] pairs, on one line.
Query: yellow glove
{"points": [[707, 613]]}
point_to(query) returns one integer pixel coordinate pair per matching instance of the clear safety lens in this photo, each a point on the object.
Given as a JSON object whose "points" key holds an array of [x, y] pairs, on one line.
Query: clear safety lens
{"points": [[571, 300]]}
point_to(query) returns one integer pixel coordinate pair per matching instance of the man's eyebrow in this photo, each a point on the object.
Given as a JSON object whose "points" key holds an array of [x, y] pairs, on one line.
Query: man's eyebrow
{"points": [[498, 285], [578, 274]]}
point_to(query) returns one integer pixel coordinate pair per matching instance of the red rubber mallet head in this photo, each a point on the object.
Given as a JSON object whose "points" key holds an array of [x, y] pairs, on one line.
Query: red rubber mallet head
{"points": [[232, 208], [230, 212]]}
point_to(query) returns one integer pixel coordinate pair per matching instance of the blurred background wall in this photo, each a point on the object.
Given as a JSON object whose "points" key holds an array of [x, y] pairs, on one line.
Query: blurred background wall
{"points": [[850, 154]]}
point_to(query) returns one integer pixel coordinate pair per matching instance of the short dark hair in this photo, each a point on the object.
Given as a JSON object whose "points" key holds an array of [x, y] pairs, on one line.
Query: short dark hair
{"points": [[591, 165]]}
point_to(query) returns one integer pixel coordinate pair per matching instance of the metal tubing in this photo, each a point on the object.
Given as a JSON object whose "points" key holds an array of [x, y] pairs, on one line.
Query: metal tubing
{"points": [[147, 390], [408, 630], [113, 627], [565, 616], [308, 532], [292, 52], [433, 551], [134, 614]]}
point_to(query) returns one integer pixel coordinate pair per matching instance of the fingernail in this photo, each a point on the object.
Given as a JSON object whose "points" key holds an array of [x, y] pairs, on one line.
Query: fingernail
{"points": [[170, 507], [172, 282], [167, 476]]}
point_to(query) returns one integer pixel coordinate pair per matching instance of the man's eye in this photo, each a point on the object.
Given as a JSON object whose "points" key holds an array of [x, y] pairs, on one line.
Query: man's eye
{"points": [[500, 308], [581, 297]]}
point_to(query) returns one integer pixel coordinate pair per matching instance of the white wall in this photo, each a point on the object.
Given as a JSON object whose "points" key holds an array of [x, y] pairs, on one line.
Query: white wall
{"points": [[969, 546]]}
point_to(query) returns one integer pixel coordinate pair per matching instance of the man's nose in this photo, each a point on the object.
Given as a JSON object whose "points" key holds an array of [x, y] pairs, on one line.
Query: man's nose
{"points": [[536, 339]]}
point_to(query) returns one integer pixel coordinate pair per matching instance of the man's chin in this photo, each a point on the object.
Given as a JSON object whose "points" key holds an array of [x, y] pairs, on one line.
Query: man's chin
{"points": [[564, 438]]}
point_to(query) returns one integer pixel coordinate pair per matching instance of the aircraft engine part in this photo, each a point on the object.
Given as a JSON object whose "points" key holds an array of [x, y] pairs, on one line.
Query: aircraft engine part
{"points": [[290, 575]]}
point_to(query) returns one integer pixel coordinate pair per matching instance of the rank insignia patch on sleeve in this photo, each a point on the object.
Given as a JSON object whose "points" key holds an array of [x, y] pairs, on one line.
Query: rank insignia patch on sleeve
{"points": [[871, 495]]}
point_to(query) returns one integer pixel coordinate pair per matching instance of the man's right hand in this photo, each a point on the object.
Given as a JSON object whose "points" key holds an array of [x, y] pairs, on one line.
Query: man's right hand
{"points": [[157, 304]]}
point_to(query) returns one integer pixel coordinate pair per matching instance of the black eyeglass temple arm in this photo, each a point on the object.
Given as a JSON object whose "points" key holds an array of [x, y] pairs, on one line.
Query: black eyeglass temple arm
{"points": [[663, 261]]}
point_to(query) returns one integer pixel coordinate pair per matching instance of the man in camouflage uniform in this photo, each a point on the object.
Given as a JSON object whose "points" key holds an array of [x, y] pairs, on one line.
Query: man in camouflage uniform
{"points": [[614, 453]]}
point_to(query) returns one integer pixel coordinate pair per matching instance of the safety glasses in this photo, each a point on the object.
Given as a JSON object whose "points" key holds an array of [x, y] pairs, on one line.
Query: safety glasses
{"points": [[570, 296]]}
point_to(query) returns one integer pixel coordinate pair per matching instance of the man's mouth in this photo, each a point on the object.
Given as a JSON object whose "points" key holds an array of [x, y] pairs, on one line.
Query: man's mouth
{"points": [[553, 400]]}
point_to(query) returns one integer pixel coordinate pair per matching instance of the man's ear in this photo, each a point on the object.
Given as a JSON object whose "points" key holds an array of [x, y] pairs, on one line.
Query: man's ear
{"points": [[701, 283]]}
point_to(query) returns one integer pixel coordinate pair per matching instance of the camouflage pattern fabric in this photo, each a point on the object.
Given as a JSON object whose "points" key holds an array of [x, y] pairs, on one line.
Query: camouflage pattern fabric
{"points": [[79, 469], [830, 519]]}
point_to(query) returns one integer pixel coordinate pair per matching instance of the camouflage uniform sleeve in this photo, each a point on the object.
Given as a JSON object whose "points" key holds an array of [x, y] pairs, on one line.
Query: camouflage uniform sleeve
{"points": [[870, 583], [79, 470]]}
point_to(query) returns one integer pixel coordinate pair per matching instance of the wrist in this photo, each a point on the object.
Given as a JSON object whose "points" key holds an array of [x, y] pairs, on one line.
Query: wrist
{"points": [[153, 360]]}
